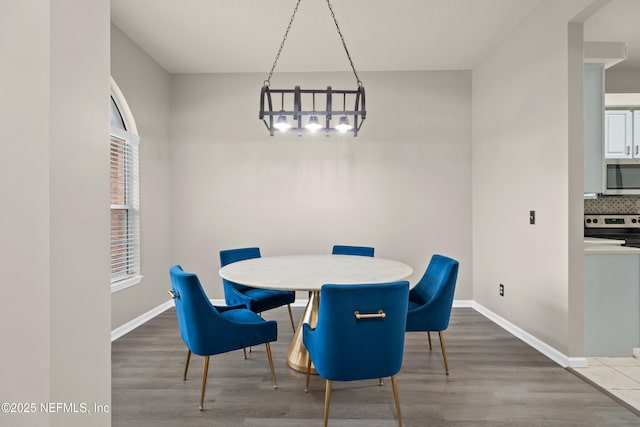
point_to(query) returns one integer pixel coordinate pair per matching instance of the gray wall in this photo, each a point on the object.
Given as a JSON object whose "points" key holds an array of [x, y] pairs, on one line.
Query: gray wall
{"points": [[223, 182], [55, 316], [527, 125], [622, 81], [25, 89], [145, 85], [403, 185]]}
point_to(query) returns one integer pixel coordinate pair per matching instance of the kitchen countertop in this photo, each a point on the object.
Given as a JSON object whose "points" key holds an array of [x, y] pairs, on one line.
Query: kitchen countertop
{"points": [[594, 245]]}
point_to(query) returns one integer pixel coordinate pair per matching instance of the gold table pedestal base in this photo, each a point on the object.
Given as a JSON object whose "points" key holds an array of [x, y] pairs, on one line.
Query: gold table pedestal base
{"points": [[297, 355]]}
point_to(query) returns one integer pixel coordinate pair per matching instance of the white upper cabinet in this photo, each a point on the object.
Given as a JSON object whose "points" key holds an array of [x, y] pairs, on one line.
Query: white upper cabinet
{"points": [[636, 132], [597, 57], [593, 111], [618, 135]]}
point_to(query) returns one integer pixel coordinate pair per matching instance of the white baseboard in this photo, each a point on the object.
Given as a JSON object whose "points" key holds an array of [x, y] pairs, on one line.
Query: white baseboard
{"points": [[463, 303], [300, 302], [553, 354], [544, 348], [140, 320]]}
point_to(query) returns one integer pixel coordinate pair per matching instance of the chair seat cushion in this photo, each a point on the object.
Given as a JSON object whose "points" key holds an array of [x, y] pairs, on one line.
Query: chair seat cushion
{"points": [[266, 299], [419, 295], [242, 315], [413, 305], [244, 329]]}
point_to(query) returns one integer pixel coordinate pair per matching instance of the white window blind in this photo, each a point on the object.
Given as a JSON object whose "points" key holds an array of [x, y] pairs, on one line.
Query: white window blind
{"points": [[125, 213]]}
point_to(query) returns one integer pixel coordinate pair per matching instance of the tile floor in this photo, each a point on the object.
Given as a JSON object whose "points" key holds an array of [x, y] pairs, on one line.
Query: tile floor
{"points": [[619, 376]]}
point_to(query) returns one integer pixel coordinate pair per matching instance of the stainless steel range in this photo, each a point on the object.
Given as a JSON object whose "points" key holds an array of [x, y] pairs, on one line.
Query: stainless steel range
{"points": [[614, 226]]}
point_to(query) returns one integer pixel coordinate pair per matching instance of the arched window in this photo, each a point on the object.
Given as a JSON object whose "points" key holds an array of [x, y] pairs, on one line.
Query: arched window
{"points": [[125, 206]]}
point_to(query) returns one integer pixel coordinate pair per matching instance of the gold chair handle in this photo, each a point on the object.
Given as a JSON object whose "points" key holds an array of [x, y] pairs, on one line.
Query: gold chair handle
{"points": [[380, 313], [173, 294]]}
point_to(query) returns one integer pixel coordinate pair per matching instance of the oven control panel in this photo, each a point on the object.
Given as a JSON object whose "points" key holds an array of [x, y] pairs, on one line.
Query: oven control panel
{"points": [[612, 221]]}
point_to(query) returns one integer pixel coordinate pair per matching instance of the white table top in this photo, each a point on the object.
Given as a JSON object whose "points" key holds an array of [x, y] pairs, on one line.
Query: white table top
{"points": [[310, 272]]}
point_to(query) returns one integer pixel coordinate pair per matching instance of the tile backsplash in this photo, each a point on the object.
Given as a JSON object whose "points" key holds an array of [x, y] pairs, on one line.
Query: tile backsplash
{"points": [[612, 204]]}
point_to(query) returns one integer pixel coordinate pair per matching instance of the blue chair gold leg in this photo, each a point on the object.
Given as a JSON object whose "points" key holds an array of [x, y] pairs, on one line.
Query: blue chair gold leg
{"points": [[394, 383], [293, 326], [429, 336], [444, 353], [306, 387], [205, 370], [273, 372], [327, 400], [186, 365]]}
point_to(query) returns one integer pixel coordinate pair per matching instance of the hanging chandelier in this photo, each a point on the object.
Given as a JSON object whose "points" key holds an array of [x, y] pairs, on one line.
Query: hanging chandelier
{"points": [[327, 118]]}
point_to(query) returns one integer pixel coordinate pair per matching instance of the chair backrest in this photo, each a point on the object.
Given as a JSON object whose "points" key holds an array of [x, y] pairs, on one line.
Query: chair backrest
{"points": [[196, 315], [229, 256], [173, 272], [437, 288], [352, 250], [354, 349]]}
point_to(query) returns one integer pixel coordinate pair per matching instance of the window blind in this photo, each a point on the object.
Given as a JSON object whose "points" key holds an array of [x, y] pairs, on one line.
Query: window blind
{"points": [[125, 215]]}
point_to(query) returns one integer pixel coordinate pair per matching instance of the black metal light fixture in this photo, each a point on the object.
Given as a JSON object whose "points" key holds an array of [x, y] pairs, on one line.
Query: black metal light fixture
{"points": [[319, 120]]}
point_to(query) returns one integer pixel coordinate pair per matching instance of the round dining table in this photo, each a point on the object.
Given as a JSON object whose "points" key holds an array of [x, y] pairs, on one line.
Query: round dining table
{"points": [[309, 273]]}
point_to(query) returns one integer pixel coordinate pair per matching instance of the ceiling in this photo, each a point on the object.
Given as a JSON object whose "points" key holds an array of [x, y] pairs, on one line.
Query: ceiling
{"points": [[230, 36], [619, 21], [202, 36]]}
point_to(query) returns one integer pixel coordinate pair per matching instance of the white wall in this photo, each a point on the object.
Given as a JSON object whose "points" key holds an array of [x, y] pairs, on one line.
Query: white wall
{"points": [[79, 222], [55, 316], [521, 146], [25, 252], [403, 185], [622, 81], [145, 85]]}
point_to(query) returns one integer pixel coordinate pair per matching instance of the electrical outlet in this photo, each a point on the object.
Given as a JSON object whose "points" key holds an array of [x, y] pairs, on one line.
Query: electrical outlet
{"points": [[501, 290]]}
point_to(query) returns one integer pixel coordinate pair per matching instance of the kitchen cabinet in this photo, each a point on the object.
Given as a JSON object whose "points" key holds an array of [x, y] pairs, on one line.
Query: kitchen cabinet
{"points": [[611, 303], [593, 111], [636, 131], [619, 135]]}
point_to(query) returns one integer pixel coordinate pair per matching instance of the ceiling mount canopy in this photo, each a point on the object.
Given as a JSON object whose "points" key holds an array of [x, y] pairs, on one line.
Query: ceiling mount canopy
{"points": [[295, 103]]}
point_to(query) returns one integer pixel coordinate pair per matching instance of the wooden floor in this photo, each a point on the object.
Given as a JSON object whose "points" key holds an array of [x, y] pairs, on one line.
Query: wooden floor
{"points": [[495, 380]]}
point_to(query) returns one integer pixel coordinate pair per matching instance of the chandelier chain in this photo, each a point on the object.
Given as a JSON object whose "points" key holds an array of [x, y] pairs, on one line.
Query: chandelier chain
{"points": [[284, 39], [286, 34], [344, 44]]}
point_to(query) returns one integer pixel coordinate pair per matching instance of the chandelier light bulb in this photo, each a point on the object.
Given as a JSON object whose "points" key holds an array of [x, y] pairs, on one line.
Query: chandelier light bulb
{"points": [[343, 125], [314, 124], [281, 124]]}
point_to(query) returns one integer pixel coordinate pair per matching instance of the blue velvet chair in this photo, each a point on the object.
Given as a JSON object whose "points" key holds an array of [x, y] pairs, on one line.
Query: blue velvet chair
{"points": [[257, 300], [352, 250], [208, 330], [359, 335], [431, 300]]}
